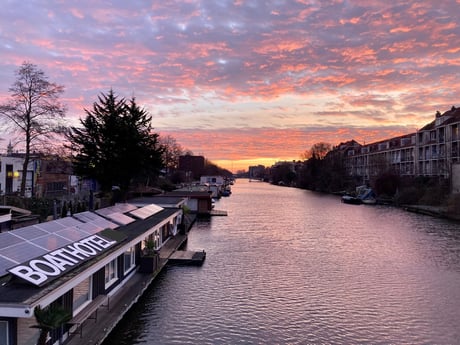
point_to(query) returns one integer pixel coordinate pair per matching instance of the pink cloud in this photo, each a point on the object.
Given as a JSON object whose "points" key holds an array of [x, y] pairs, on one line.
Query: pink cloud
{"points": [[284, 65]]}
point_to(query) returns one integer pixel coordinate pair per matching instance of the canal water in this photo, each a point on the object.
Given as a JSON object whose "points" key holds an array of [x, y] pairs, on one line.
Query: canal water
{"points": [[289, 266]]}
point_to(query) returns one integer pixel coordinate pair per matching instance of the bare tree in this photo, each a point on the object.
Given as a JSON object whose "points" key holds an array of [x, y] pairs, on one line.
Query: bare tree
{"points": [[34, 109], [172, 151], [317, 151]]}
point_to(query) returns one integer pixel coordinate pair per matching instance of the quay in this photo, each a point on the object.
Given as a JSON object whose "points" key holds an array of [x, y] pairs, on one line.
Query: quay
{"points": [[95, 330]]}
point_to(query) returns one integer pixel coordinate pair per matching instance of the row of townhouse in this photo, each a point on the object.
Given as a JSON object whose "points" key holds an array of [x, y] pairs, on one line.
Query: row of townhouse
{"points": [[432, 151]]}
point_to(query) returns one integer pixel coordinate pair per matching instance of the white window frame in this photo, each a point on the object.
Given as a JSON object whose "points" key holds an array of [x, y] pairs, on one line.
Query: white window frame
{"points": [[111, 273], [130, 255], [6, 340], [87, 301]]}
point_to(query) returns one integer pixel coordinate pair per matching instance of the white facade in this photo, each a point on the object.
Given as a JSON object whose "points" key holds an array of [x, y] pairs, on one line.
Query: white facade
{"points": [[11, 175]]}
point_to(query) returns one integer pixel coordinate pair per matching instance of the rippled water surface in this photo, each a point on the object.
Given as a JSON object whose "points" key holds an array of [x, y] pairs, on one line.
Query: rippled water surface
{"points": [[288, 266]]}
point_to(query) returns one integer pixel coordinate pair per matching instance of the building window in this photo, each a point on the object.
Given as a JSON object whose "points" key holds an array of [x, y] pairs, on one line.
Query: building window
{"points": [[111, 275], [129, 259], [81, 294], [4, 336]]}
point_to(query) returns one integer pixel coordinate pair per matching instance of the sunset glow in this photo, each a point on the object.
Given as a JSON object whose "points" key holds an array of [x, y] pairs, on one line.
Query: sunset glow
{"points": [[245, 83]]}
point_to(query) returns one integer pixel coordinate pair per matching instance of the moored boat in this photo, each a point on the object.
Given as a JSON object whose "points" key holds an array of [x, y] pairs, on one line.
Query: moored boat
{"points": [[349, 199]]}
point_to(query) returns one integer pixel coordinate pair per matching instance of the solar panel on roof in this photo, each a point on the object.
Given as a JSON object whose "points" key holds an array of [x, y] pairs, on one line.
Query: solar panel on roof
{"points": [[89, 227], [86, 215], [29, 232], [104, 223], [118, 208], [8, 239], [140, 213], [49, 226], [68, 221], [146, 211], [51, 242], [123, 207], [104, 211], [83, 217], [120, 218], [72, 234], [5, 264], [90, 217], [23, 251]]}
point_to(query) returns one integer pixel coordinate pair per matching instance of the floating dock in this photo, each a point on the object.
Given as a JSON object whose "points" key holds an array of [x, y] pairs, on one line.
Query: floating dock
{"points": [[187, 257], [218, 213]]}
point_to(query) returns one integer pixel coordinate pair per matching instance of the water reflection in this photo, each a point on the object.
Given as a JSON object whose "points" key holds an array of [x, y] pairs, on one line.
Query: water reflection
{"points": [[288, 266]]}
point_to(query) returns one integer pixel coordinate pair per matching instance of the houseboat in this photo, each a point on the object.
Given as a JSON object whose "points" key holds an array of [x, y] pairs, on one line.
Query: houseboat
{"points": [[79, 265]]}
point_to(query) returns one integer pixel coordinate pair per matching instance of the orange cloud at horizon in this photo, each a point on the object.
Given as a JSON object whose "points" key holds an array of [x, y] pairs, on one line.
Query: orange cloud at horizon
{"points": [[237, 149]]}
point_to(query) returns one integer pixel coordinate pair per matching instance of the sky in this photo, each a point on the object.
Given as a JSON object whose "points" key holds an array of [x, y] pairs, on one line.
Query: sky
{"points": [[246, 82]]}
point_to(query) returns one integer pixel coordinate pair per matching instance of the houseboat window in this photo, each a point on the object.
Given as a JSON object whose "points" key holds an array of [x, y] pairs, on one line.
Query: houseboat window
{"points": [[155, 237], [111, 273], [4, 339], [81, 294], [129, 259]]}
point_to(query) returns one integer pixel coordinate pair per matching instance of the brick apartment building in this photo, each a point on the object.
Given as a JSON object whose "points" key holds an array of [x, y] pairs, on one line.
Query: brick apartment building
{"points": [[432, 151]]}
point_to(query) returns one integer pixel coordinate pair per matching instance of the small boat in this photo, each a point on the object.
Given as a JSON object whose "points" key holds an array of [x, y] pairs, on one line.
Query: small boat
{"points": [[367, 195], [349, 199]]}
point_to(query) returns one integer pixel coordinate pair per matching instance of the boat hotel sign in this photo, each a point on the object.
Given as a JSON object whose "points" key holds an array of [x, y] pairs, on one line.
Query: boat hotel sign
{"points": [[41, 270]]}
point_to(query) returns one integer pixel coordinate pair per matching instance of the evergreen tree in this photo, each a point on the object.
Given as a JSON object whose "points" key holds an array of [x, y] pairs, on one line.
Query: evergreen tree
{"points": [[115, 144]]}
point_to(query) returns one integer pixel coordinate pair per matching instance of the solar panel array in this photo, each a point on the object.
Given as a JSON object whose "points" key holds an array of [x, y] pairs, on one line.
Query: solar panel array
{"points": [[93, 218], [120, 218], [117, 208], [23, 244]]}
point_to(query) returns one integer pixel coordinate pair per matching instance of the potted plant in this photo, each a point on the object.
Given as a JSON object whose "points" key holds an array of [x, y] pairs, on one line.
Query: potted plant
{"points": [[149, 258], [149, 248], [49, 319]]}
